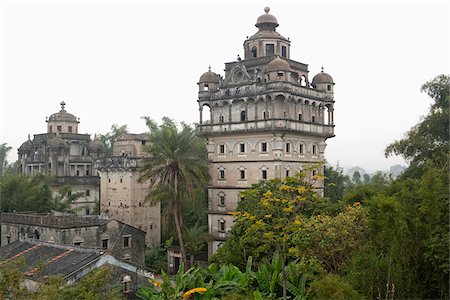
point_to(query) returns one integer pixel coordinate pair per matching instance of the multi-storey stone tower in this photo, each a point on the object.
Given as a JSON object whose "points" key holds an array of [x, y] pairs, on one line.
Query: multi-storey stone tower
{"points": [[66, 155], [266, 120], [122, 195]]}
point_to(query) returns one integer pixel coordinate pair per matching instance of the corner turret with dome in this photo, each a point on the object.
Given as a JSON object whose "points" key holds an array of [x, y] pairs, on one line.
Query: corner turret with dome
{"points": [[323, 82], [209, 81], [264, 119]]}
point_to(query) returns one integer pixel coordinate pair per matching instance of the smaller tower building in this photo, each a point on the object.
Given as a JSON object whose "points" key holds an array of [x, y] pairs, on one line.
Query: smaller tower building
{"points": [[122, 195], [66, 155]]}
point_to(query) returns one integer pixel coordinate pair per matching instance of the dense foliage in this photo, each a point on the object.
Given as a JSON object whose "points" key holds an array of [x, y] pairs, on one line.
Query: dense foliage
{"points": [[175, 167], [229, 282], [33, 193]]}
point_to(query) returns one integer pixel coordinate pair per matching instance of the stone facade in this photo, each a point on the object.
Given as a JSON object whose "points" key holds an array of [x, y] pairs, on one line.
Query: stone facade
{"points": [[122, 195], [67, 155], [119, 239], [266, 120]]}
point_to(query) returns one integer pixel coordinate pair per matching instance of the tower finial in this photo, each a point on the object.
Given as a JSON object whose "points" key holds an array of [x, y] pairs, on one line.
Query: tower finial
{"points": [[209, 68], [322, 69], [62, 105], [266, 9]]}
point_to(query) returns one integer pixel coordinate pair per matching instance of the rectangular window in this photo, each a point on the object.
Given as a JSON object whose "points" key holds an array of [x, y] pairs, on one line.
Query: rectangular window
{"points": [[105, 244], [69, 128], [222, 149], [283, 51], [87, 172], [313, 119], [88, 192], [222, 200], [222, 174], [88, 211], [264, 147], [264, 174], [301, 149], [287, 173], [126, 241], [314, 150], [243, 115], [58, 128], [242, 148], [242, 174], [288, 147], [299, 117], [270, 49], [329, 87], [78, 172]]}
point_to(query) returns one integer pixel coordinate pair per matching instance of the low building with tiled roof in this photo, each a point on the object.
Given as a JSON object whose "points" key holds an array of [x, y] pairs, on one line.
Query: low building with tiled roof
{"points": [[109, 235], [43, 259]]}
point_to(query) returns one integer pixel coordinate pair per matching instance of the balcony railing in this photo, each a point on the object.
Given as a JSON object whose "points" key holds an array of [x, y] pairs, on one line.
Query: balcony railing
{"points": [[267, 125]]}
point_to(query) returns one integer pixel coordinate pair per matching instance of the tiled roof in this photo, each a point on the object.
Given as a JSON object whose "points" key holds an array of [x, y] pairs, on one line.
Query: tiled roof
{"points": [[42, 259]]}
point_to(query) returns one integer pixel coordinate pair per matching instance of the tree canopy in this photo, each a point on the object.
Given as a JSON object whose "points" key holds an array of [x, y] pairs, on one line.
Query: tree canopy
{"points": [[175, 166]]}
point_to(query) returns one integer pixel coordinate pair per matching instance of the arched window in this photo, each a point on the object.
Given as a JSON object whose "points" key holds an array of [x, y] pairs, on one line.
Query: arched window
{"points": [[264, 172], [254, 52], [221, 173], [241, 173], [222, 225], [221, 199], [126, 281]]}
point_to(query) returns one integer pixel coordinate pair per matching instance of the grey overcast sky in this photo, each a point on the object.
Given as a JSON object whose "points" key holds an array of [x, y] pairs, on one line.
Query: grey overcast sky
{"points": [[113, 62]]}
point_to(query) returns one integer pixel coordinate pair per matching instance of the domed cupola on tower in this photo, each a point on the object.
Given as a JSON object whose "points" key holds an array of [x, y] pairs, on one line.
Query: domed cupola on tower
{"points": [[62, 122], [209, 81], [267, 41], [323, 82], [278, 69]]}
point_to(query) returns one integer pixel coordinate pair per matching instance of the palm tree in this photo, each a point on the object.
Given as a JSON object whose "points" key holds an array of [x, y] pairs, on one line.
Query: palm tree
{"points": [[175, 166]]}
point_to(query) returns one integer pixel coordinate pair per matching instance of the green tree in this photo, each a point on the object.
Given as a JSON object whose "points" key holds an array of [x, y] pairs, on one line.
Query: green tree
{"points": [[174, 167], [429, 139], [335, 183], [356, 177], [4, 149], [11, 279], [26, 193], [108, 138], [366, 178], [333, 287], [196, 239]]}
